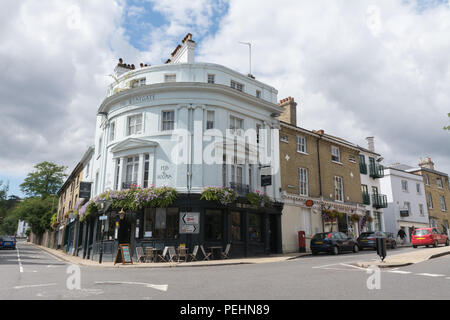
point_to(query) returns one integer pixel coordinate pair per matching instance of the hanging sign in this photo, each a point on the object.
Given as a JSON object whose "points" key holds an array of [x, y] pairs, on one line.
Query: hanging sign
{"points": [[123, 254]]}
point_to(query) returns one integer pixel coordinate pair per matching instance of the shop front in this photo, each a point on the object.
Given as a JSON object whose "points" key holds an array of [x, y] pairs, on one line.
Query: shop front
{"points": [[190, 221]]}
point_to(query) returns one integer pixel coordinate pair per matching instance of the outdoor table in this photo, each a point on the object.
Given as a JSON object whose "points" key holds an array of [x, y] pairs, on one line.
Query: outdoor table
{"points": [[216, 252]]}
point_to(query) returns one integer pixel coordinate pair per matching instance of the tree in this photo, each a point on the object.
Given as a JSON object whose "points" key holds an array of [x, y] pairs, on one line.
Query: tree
{"points": [[448, 127], [37, 212], [44, 181]]}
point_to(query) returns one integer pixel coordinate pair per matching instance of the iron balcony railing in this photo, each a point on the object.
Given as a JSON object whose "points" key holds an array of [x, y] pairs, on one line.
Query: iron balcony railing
{"points": [[366, 198], [241, 189], [379, 201], [128, 185], [376, 170]]}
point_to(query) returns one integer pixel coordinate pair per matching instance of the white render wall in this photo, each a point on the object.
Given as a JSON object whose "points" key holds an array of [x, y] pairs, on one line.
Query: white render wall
{"points": [[190, 102], [370, 182], [392, 187]]}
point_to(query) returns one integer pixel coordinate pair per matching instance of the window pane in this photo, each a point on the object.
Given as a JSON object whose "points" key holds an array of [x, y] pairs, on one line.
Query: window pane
{"points": [[236, 226], [254, 227], [213, 225]]}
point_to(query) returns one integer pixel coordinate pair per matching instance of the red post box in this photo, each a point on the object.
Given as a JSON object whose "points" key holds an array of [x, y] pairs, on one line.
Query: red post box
{"points": [[301, 241]]}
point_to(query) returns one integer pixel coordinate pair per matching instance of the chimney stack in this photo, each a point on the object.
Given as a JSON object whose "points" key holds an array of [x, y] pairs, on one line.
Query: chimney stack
{"points": [[370, 144], [427, 163], [184, 53], [289, 114]]}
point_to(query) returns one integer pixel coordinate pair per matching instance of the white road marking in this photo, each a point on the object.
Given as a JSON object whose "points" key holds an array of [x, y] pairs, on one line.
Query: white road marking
{"points": [[430, 275], [18, 259], [162, 287], [35, 285], [400, 272], [356, 267]]}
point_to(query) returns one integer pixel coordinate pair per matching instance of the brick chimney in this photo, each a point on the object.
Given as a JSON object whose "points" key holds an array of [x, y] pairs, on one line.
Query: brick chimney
{"points": [[289, 114], [370, 144], [184, 53], [427, 163]]}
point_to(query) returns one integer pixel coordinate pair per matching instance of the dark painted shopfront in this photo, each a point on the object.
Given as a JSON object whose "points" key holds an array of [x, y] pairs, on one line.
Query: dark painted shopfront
{"points": [[251, 231]]}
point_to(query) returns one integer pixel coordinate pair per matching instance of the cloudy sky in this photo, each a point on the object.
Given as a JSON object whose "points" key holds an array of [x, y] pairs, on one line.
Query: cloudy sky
{"points": [[357, 68]]}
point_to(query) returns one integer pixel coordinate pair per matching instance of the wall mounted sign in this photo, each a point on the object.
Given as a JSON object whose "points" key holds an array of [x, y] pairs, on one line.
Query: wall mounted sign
{"points": [[266, 180], [190, 222], [85, 190], [309, 203]]}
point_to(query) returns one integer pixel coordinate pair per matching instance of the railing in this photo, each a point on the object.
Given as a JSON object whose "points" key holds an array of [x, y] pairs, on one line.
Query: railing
{"points": [[366, 198], [128, 185], [376, 170], [379, 201], [241, 189]]}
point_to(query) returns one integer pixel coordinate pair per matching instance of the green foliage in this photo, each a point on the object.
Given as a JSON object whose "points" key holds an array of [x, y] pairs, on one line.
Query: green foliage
{"points": [[8, 220], [221, 194], [258, 199], [45, 180], [447, 127], [37, 211]]}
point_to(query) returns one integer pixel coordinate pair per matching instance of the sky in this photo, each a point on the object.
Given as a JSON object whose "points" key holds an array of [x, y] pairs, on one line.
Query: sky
{"points": [[357, 68]]}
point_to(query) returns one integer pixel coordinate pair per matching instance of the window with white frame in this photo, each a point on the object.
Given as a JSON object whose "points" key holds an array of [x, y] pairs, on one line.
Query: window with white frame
{"points": [[430, 200], [404, 185], [439, 183], [132, 171], [427, 179], [236, 85], [211, 78], [418, 188], [170, 78], [210, 119], [236, 172], [138, 83], [134, 124], [407, 206], [236, 125], [301, 144], [443, 205], [168, 120], [338, 189], [284, 138], [351, 158], [303, 181], [258, 94], [335, 154], [421, 211], [112, 131]]}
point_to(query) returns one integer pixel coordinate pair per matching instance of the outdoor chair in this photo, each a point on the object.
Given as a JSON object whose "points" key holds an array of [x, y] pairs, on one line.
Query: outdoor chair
{"points": [[182, 253], [162, 257], [193, 255], [149, 254], [140, 254], [206, 255], [226, 252], [172, 254]]}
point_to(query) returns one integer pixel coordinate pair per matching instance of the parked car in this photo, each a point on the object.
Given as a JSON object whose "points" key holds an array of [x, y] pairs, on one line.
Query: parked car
{"points": [[429, 237], [8, 242], [333, 243], [368, 240]]}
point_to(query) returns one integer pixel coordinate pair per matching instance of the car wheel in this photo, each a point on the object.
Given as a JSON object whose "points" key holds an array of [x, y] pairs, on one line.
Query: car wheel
{"points": [[314, 253], [335, 250], [447, 242], [414, 247], [435, 244], [355, 248]]}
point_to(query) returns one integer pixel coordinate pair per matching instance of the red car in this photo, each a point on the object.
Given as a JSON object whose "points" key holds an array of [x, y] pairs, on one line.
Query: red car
{"points": [[428, 237]]}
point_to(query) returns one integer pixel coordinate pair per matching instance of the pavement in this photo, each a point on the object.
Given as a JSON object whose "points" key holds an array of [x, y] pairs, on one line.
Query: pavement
{"points": [[231, 261], [404, 259]]}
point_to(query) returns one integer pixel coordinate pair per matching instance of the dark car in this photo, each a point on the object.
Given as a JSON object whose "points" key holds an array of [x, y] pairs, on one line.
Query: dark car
{"points": [[333, 243], [7, 242], [368, 240]]}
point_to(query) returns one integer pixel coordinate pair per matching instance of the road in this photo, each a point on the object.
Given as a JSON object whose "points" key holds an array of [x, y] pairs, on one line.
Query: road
{"points": [[31, 273]]}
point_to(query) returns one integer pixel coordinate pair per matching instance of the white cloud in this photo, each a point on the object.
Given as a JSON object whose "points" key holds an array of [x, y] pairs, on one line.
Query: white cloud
{"points": [[357, 68]]}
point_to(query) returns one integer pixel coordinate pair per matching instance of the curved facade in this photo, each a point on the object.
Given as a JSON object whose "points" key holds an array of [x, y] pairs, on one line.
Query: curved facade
{"points": [[189, 126]]}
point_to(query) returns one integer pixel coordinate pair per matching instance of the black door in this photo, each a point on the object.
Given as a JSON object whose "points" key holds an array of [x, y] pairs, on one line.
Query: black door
{"points": [[272, 233], [124, 231]]}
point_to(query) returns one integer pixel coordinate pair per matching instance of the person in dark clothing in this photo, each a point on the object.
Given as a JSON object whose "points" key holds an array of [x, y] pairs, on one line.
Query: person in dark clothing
{"points": [[401, 233]]}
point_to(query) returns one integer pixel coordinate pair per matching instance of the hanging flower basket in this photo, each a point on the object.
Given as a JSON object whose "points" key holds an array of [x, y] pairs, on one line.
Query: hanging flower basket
{"points": [[223, 195], [355, 217], [258, 199]]}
